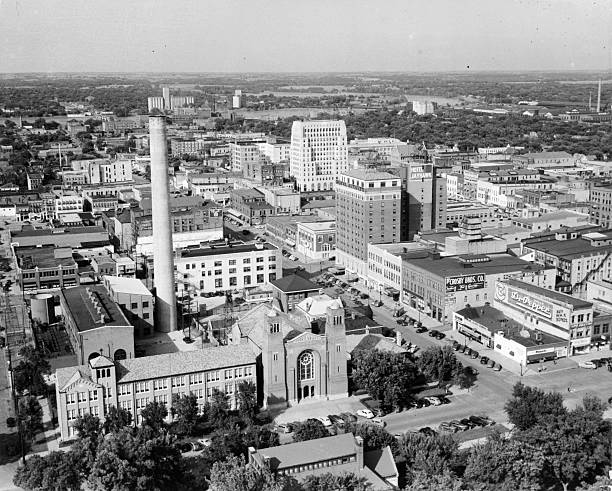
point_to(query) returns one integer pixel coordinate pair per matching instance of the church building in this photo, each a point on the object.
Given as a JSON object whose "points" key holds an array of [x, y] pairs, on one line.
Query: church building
{"points": [[299, 358]]}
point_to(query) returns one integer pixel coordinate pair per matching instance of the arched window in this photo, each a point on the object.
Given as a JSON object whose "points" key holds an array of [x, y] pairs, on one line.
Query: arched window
{"points": [[120, 354], [306, 366], [93, 356]]}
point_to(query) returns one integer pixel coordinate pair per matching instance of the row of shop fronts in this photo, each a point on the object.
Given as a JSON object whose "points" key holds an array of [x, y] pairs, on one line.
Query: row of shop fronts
{"points": [[529, 324]]}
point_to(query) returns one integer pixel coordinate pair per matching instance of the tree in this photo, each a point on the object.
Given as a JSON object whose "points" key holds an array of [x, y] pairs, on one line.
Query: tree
{"points": [[427, 454], [439, 364], [246, 400], [30, 371], [88, 426], [311, 429], [466, 377], [116, 418], [135, 460], [31, 416], [601, 483], [260, 437], [332, 482], [386, 376], [575, 444], [217, 407], [505, 464], [437, 482], [154, 414], [233, 474], [374, 437], [185, 411], [530, 405]]}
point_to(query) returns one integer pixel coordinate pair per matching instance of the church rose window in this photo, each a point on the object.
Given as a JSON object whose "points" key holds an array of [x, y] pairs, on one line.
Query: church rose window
{"points": [[306, 366]]}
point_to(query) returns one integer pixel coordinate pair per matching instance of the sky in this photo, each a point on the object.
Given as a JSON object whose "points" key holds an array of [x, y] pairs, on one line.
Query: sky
{"points": [[304, 36]]}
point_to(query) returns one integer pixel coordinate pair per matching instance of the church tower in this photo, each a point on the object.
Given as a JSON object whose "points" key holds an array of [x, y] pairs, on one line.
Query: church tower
{"points": [[273, 362], [335, 332]]}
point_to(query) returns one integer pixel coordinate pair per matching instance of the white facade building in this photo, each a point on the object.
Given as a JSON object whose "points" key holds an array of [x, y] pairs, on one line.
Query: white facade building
{"points": [[316, 240], [319, 154], [276, 152], [423, 107], [155, 103], [227, 267]]}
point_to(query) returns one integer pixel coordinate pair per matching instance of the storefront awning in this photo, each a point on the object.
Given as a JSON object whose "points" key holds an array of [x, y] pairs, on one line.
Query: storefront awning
{"points": [[289, 242]]}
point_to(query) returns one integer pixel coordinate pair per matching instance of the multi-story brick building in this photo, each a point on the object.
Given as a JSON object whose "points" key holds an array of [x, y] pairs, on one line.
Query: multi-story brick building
{"points": [[368, 210], [95, 324], [41, 268], [131, 384], [227, 267]]}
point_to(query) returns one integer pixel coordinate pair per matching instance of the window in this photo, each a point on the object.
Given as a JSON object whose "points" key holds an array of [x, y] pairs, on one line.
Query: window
{"points": [[260, 278], [248, 371], [233, 281], [246, 261], [306, 366], [145, 315], [178, 381], [232, 270], [247, 280], [217, 264], [145, 305], [247, 269], [212, 376], [272, 258], [275, 356], [93, 395], [196, 378], [218, 272], [229, 374], [70, 398], [160, 384], [140, 387], [125, 389], [218, 282], [82, 396], [260, 259], [229, 388], [232, 262]]}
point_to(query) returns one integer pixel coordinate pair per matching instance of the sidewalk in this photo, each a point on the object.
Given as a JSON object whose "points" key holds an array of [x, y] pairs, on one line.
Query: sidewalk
{"points": [[320, 407]]}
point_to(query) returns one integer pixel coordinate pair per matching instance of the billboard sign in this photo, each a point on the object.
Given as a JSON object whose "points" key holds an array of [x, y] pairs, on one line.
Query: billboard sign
{"points": [[535, 305], [467, 282]]}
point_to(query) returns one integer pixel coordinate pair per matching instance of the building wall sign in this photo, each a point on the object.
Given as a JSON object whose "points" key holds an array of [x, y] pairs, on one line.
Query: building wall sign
{"points": [[468, 282], [561, 317], [543, 309], [419, 172]]}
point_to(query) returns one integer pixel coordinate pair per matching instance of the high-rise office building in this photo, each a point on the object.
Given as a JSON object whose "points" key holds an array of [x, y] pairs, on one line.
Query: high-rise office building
{"points": [[368, 210], [319, 154], [238, 99], [156, 103], [166, 96]]}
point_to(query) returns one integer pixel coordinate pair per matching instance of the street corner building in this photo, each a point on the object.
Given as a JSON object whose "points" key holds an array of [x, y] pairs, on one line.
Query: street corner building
{"points": [[300, 358]]}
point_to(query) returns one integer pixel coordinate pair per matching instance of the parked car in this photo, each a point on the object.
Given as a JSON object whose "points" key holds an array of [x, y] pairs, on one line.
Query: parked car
{"points": [[348, 417], [183, 447], [206, 442], [365, 413], [475, 355], [433, 333], [491, 364], [456, 346], [379, 422], [467, 351], [337, 420], [440, 335], [497, 367], [428, 431], [433, 400], [364, 296], [444, 399], [587, 364], [444, 426], [378, 303], [421, 329], [481, 420], [484, 360], [325, 420], [284, 428], [470, 424], [459, 425]]}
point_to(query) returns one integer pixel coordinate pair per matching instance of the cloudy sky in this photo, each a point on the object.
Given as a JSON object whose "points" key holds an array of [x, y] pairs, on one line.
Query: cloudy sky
{"points": [[310, 35]]}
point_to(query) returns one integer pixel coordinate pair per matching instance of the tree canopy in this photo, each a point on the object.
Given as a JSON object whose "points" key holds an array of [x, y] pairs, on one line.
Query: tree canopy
{"points": [[530, 405]]}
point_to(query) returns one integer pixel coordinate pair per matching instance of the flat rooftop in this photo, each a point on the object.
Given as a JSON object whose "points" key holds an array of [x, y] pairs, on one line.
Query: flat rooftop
{"points": [[367, 175], [575, 302], [127, 285], [567, 248], [222, 248], [84, 302], [495, 320], [319, 226], [44, 257], [453, 266], [554, 215]]}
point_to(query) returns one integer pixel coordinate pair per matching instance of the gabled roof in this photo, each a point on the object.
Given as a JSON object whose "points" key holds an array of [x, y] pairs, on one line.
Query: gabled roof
{"points": [[294, 283], [381, 461], [101, 362], [80, 375]]}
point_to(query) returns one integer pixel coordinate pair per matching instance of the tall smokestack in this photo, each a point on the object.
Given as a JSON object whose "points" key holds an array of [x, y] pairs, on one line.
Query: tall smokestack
{"points": [[599, 96], [163, 260]]}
